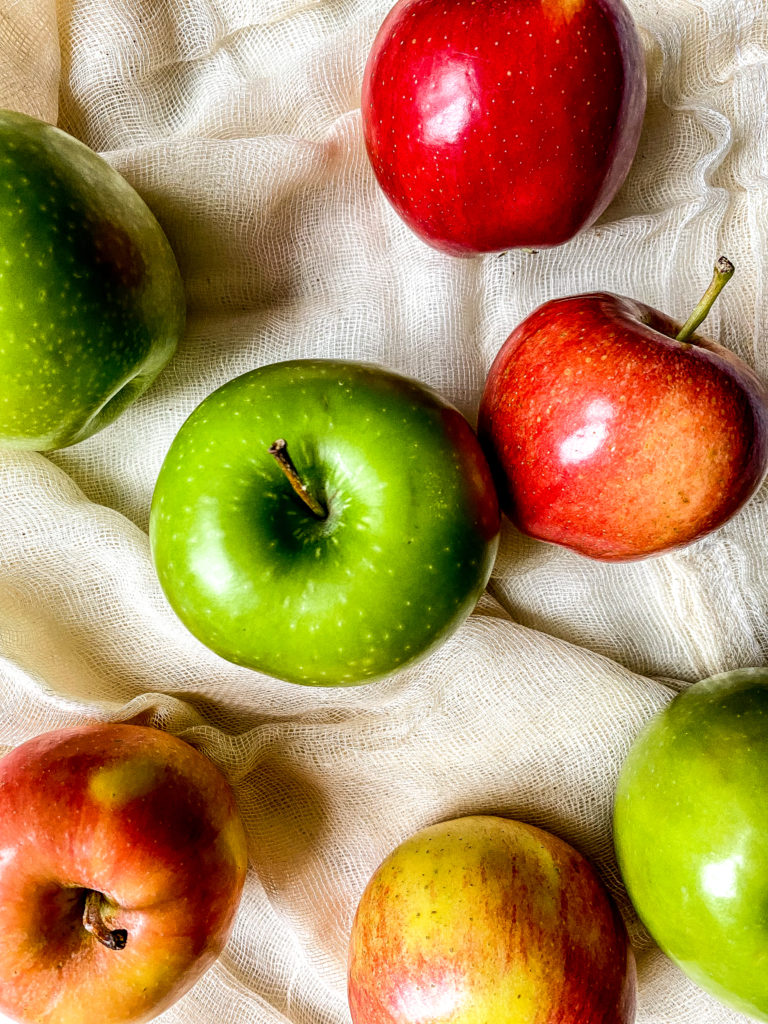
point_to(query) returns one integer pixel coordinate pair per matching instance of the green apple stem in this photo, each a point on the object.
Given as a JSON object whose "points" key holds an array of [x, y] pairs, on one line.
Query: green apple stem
{"points": [[280, 451], [94, 923], [723, 273]]}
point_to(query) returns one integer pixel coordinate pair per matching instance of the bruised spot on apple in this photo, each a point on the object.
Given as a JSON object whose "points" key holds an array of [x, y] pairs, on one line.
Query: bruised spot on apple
{"points": [[491, 125], [482, 919], [615, 432], [122, 861]]}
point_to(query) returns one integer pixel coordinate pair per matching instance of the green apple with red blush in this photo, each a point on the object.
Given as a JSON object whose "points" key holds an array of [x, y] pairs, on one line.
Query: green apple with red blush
{"points": [[123, 862], [485, 918], [619, 433], [325, 522], [91, 298]]}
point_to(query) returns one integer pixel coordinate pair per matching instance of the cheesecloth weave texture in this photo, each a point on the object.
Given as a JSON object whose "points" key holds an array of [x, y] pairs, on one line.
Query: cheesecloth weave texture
{"points": [[238, 121]]}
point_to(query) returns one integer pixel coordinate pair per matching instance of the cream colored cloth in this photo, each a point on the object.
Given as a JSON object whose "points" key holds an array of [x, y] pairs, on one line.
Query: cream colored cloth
{"points": [[239, 123]]}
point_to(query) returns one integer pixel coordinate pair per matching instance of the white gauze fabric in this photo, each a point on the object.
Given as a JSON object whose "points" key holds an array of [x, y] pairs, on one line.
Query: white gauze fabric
{"points": [[238, 121]]}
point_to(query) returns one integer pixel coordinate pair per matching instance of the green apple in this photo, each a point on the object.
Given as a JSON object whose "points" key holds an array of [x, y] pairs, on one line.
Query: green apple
{"points": [[691, 831], [380, 557], [484, 919], [91, 300]]}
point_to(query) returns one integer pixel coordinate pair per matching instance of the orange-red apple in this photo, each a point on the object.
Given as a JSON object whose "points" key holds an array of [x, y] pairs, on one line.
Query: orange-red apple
{"points": [[122, 861], [613, 431]]}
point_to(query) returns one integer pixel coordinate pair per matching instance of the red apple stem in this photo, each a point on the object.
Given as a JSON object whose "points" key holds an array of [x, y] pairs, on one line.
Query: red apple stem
{"points": [[280, 451], [93, 922], [723, 273]]}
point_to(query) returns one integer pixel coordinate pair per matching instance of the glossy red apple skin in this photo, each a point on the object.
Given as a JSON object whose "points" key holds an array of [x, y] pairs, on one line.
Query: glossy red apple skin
{"points": [[137, 815], [608, 436], [485, 918], [494, 124]]}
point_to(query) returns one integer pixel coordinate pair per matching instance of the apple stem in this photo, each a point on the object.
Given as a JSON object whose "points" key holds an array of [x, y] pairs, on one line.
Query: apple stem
{"points": [[723, 273], [280, 451], [94, 923]]}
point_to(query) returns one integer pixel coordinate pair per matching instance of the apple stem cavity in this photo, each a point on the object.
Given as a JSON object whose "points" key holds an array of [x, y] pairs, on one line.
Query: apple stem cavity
{"points": [[723, 273], [94, 923], [280, 451]]}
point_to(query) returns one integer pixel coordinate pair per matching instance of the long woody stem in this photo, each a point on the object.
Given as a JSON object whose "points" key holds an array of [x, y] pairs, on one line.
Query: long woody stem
{"points": [[723, 273], [280, 451], [93, 922]]}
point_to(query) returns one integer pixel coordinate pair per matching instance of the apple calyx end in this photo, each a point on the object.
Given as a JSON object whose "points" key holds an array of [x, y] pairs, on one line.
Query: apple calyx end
{"points": [[112, 938], [279, 449]]}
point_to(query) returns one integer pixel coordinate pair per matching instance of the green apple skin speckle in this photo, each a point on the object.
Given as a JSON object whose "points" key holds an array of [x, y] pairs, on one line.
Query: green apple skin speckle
{"points": [[691, 832], [91, 299], [397, 564]]}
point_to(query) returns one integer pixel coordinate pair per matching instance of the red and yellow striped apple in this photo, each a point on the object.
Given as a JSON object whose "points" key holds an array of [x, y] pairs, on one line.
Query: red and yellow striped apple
{"points": [[485, 918], [122, 861]]}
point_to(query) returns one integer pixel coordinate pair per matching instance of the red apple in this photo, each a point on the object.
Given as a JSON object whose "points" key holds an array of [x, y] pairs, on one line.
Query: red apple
{"points": [[488, 919], [616, 433], [492, 124], [122, 860]]}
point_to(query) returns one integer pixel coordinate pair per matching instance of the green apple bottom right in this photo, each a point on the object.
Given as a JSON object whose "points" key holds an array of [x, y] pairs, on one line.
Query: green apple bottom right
{"points": [[690, 828]]}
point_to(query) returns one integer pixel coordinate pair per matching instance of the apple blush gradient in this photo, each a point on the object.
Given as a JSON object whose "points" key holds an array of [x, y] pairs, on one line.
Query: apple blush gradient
{"points": [[486, 919], [609, 437], [140, 817]]}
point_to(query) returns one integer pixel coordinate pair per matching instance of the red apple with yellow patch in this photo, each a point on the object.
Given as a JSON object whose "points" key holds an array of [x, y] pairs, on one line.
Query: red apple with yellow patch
{"points": [[493, 124], [488, 919], [122, 861]]}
